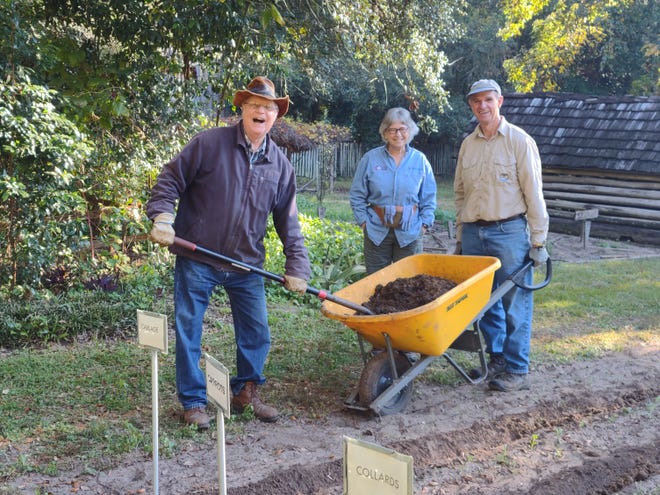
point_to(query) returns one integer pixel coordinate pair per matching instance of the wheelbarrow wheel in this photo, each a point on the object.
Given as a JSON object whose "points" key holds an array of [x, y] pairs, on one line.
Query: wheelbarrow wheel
{"points": [[377, 377]]}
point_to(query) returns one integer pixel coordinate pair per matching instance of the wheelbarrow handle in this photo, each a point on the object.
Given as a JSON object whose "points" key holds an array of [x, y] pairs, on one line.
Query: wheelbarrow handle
{"points": [[321, 294], [518, 277]]}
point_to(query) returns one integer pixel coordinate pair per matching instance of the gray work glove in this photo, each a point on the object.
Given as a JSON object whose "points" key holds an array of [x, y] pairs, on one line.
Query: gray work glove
{"points": [[459, 248], [295, 284], [162, 231], [539, 255]]}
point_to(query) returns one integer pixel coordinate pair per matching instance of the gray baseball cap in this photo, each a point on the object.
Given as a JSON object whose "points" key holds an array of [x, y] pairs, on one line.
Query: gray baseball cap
{"points": [[484, 85]]}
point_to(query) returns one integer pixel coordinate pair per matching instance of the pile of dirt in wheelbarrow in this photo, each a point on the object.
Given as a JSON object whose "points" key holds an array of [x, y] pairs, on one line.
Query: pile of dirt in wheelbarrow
{"points": [[403, 294]]}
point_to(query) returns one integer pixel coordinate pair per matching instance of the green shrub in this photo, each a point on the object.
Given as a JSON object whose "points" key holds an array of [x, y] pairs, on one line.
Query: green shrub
{"points": [[100, 310], [335, 253], [106, 305]]}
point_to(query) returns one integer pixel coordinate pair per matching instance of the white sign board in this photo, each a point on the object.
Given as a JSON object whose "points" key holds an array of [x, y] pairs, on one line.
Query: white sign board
{"points": [[152, 330], [370, 468], [217, 384]]}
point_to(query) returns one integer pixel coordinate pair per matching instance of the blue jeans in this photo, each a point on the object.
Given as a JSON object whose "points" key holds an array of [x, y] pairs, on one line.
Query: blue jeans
{"points": [[194, 283], [389, 251], [507, 325]]}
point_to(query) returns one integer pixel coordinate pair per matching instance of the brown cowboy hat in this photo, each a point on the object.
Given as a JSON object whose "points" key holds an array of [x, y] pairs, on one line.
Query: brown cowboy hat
{"points": [[264, 88]]}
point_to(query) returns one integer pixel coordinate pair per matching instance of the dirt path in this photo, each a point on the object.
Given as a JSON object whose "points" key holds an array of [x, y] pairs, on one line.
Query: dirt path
{"points": [[562, 247], [587, 427]]}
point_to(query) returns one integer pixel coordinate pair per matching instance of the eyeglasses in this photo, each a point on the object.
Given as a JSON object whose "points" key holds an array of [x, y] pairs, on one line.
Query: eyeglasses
{"points": [[394, 130], [259, 106]]}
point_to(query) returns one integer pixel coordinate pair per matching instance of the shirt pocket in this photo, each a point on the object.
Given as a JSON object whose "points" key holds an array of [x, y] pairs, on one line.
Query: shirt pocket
{"points": [[263, 190], [506, 174], [471, 170]]}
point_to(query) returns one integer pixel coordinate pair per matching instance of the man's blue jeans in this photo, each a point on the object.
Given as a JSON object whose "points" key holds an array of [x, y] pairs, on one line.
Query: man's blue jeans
{"points": [[507, 325], [194, 283]]}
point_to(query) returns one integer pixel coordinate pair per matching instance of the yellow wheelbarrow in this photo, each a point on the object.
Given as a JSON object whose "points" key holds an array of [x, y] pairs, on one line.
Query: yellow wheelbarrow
{"points": [[449, 321]]}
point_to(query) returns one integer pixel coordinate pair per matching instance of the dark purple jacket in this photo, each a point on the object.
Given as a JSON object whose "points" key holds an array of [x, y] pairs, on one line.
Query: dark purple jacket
{"points": [[224, 202]]}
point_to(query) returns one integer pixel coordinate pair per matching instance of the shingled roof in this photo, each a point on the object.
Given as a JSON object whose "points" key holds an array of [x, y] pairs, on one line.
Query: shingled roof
{"points": [[574, 131]]}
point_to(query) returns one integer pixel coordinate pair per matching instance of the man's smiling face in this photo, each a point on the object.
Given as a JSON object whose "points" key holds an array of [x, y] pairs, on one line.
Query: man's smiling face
{"points": [[259, 115], [486, 107]]}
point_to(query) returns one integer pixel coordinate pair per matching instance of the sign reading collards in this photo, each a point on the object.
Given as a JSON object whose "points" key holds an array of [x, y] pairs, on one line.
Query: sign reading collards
{"points": [[370, 468], [217, 384], [152, 330]]}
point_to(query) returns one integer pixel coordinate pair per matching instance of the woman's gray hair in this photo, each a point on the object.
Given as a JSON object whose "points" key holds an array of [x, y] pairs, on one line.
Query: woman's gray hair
{"points": [[398, 114]]}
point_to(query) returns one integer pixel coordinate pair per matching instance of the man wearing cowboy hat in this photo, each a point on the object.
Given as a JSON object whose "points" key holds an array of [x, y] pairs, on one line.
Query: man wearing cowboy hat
{"points": [[227, 181]]}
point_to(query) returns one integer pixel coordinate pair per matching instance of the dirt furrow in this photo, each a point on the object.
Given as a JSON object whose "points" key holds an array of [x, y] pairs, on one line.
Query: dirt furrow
{"points": [[499, 442], [598, 454], [589, 424]]}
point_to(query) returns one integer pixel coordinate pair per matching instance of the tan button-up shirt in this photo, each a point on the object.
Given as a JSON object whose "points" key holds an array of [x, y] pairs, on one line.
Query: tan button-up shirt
{"points": [[500, 178]]}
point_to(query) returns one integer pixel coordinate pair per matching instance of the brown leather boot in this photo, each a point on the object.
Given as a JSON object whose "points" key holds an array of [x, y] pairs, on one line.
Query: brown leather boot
{"points": [[249, 396], [197, 416]]}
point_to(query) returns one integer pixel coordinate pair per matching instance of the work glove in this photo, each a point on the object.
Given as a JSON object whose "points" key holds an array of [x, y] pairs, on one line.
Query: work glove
{"points": [[539, 255], [295, 284], [388, 216], [406, 216], [459, 248], [162, 231]]}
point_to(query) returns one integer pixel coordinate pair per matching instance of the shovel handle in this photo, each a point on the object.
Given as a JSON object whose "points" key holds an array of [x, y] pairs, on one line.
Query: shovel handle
{"points": [[321, 294], [239, 264]]}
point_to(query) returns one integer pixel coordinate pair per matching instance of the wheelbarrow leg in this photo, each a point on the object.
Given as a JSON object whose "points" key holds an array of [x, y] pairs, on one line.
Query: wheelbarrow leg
{"points": [[390, 354], [353, 400], [470, 341], [363, 352]]}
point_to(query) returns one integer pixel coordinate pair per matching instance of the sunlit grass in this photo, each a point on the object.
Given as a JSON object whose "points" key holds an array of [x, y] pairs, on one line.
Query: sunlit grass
{"points": [[603, 294], [593, 345]]}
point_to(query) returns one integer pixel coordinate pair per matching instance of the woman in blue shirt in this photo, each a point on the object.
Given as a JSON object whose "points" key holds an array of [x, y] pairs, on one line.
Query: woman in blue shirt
{"points": [[393, 194]]}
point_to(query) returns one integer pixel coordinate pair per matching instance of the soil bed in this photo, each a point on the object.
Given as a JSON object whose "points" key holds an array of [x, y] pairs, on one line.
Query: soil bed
{"points": [[581, 429]]}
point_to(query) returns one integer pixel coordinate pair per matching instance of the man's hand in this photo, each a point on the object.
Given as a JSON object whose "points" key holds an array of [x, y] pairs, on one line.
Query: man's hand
{"points": [[162, 231], [539, 255], [294, 284], [459, 248]]}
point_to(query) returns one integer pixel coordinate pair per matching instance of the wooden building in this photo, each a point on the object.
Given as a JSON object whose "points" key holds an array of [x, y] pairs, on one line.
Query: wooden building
{"points": [[601, 156]]}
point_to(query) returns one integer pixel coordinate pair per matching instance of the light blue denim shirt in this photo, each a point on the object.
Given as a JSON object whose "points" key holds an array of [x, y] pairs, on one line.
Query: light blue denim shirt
{"points": [[378, 181]]}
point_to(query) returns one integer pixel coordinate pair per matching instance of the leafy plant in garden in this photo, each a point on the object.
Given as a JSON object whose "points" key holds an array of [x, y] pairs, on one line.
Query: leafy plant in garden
{"points": [[41, 157], [106, 306], [334, 251]]}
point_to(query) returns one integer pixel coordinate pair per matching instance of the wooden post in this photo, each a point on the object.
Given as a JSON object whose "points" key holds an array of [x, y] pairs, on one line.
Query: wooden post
{"points": [[586, 216], [451, 228]]}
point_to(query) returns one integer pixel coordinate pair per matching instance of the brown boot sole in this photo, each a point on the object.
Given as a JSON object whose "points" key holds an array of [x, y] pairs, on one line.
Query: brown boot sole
{"points": [[239, 409]]}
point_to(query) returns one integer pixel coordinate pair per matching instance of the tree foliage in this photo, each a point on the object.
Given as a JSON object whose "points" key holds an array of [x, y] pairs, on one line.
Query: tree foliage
{"points": [[96, 95], [41, 152], [593, 45]]}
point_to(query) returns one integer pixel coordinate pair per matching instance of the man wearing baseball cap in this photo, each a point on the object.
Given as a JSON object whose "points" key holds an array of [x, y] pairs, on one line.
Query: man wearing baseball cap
{"points": [[501, 212], [227, 181]]}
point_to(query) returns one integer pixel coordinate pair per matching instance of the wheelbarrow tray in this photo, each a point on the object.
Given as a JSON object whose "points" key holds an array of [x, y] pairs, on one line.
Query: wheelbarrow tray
{"points": [[429, 329]]}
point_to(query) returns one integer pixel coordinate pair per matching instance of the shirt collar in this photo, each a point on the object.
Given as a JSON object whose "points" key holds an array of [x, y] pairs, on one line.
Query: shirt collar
{"points": [[502, 128], [259, 153]]}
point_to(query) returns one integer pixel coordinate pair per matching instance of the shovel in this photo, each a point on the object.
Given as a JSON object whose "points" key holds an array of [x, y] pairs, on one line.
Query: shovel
{"points": [[321, 294]]}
